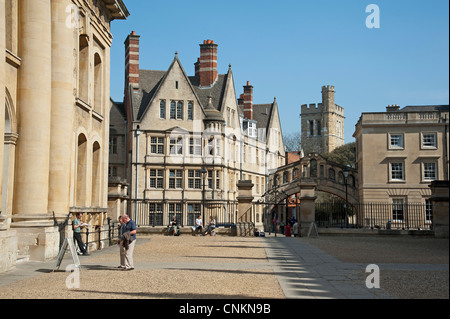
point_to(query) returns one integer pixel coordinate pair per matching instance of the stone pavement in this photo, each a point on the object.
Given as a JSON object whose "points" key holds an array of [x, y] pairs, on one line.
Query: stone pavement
{"points": [[302, 270]]}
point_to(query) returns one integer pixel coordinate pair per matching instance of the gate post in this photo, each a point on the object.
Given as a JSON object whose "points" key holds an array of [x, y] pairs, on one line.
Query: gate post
{"points": [[440, 200], [244, 222], [307, 214]]}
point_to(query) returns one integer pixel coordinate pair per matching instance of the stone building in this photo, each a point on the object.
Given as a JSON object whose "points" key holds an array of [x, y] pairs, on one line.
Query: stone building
{"points": [[54, 74], [322, 124], [400, 152], [190, 139]]}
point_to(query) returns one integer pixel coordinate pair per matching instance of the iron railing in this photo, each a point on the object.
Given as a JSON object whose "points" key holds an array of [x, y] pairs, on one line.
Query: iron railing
{"points": [[159, 213], [375, 215]]}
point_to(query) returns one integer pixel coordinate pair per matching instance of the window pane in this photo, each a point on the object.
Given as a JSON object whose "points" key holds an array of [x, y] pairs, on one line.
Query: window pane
{"points": [[429, 171], [180, 111], [397, 171], [429, 140], [162, 110], [396, 140], [190, 111], [173, 110]]}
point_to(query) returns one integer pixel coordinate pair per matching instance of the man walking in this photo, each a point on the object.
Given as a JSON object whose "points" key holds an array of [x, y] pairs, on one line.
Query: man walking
{"points": [[128, 242]]}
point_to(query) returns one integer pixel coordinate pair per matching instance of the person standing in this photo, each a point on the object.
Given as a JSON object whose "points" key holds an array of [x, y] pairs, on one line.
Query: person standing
{"points": [[295, 229], [77, 225], [287, 231], [119, 241], [128, 242]]}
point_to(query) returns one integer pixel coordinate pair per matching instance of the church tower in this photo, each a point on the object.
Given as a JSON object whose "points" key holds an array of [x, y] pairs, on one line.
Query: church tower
{"points": [[322, 124]]}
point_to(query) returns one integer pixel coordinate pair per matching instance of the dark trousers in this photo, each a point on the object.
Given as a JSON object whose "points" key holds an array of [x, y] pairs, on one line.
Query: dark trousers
{"points": [[79, 241]]}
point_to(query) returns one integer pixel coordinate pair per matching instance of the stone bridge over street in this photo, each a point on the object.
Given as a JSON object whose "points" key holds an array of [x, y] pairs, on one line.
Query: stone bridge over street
{"points": [[304, 178]]}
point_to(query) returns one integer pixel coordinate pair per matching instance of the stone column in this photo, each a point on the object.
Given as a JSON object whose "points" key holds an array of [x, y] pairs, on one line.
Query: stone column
{"points": [[33, 112], [440, 200], [62, 109], [307, 208]]}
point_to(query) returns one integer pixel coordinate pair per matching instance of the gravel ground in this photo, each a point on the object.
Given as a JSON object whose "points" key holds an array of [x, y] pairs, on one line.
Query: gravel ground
{"points": [[219, 267], [402, 284], [203, 268]]}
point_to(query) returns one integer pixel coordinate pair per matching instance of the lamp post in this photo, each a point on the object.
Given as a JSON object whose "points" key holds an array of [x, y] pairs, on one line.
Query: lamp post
{"points": [[346, 171], [203, 172]]}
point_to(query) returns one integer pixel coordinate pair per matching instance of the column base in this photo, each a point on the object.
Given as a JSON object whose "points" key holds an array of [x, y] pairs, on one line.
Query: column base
{"points": [[38, 243], [8, 250], [31, 220]]}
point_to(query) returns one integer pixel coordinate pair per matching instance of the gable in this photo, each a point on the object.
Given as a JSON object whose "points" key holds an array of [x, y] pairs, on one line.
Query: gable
{"points": [[173, 87]]}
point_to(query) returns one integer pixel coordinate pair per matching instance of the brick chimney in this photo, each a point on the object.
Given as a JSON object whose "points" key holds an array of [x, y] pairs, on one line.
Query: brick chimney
{"points": [[132, 60], [206, 66], [248, 101]]}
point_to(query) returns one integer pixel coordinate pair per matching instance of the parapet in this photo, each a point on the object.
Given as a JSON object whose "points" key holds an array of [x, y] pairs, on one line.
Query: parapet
{"points": [[328, 88], [312, 108]]}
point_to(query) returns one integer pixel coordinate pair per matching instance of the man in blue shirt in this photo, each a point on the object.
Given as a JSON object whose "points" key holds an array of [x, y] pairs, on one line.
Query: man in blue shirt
{"points": [[128, 242], [77, 225]]}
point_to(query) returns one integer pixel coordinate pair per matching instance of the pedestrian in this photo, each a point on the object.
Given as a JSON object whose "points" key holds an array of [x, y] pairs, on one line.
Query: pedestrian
{"points": [[122, 256], [128, 242], [288, 230], [277, 226], [77, 225], [295, 229]]}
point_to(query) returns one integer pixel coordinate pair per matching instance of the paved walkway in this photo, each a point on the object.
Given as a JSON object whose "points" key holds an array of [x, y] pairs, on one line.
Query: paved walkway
{"points": [[305, 271], [302, 270]]}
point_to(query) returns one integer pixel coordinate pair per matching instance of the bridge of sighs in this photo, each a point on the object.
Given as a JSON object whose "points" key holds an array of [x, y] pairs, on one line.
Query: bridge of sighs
{"points": [[304, 178]]}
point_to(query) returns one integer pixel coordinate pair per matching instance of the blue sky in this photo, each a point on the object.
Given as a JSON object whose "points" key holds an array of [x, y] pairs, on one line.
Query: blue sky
{"points": [[289, 49]]}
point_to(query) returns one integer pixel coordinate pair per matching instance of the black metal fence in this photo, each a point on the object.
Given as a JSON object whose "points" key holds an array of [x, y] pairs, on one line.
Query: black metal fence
{"points": [[97, 236], [159, 213], [375, 215]]}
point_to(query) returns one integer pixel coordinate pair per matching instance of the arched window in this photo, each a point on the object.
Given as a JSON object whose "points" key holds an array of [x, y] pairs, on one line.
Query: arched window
{"points": [[96, 175], [313, 168], [295, 174], [332, 174], [83, 68], [341, 178], [81, 171], [98, 84], [285, 177], [9, 24], [351, 180]]}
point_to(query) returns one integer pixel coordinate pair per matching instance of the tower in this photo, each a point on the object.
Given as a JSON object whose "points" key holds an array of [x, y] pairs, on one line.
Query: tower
{"points": [[322, 125]]}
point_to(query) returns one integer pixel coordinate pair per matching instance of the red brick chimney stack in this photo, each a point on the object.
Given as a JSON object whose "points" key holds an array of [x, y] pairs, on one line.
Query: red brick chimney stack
{"points": [[206, 66], [132, 59], [248, 101]]}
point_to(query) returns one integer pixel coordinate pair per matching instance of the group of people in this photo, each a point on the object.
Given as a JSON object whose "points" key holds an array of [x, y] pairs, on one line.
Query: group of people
{"points": [[198, 228], [290, 228], [127, 239], [127, 236]]}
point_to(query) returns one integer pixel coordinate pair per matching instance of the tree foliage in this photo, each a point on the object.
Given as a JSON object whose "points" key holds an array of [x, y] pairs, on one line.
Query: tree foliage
{"points": [[344, 155], [292, 142]]}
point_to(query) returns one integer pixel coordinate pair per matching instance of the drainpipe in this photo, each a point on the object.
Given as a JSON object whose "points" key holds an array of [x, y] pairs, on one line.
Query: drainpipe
{"points": [[138, 132]]}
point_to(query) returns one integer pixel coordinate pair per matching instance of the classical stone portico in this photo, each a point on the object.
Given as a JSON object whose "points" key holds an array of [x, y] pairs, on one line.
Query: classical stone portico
{"points": [[54, 81]]}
